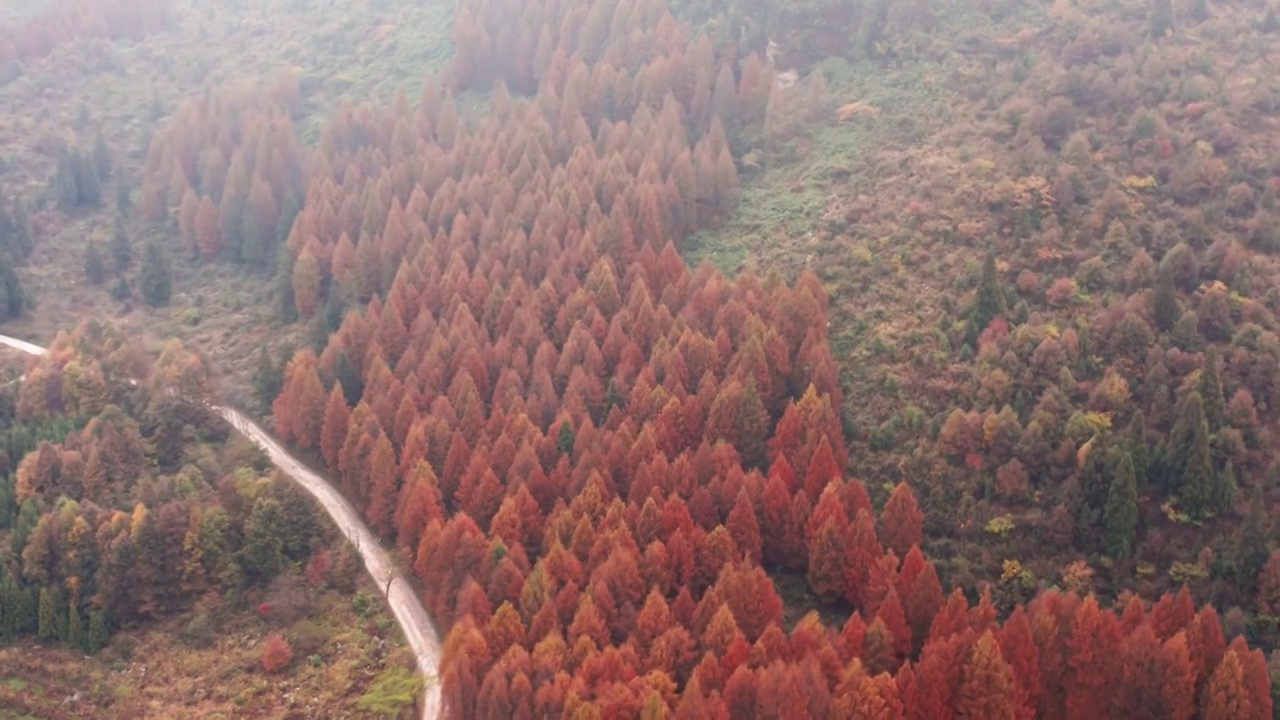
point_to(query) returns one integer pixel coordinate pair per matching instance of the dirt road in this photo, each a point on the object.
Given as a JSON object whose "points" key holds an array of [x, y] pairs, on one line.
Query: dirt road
{"points": [[417, 627]]}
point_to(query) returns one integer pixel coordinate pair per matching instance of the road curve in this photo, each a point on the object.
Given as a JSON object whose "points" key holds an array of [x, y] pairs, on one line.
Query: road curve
{"points": [[417, 627]]}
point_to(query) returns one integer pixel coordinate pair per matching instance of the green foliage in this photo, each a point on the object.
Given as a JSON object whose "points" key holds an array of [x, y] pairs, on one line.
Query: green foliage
{"points": [[1211, 392], [263, 552], [50, 616], [1161, 17], [1121, 514], [99, 633], [94, 266], [394, 691], [1001, 526], [268, 379], [121, 247], [565, 438], [990, 302], [76, 183], [13, 299], [154, 278], [15, 231], [1165, 308], [102, 164], [282, 286]]}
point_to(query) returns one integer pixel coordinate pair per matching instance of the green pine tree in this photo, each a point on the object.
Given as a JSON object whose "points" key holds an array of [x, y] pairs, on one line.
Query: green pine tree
{"points": [[1193, 460], [990, 301], [121, 248], [101, 155], [124, 200], [1165, 308], [156, 285], [1224, 490], [99, 635], [13, 299], [268, 379], [121, 290], [1136, 445], [286, 311], [20, 234], [1120, 519], [1161, 18], [262, 554], [49, 612], [94, 266], [1211, 392], [88, 185], [565, 438], [77, 637]]}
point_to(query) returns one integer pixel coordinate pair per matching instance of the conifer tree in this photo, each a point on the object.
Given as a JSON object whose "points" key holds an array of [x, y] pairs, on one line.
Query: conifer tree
{"points": [[286, 310], [1120, 517], [99, 636], [121, 248], [124, 201], [154, 277], [1165, 309], [13, 299], [990, 302], [1136, 446], [1192, 463], [48, 617], [1211, 392], [94, 266], [101, 155], [76, 634]]}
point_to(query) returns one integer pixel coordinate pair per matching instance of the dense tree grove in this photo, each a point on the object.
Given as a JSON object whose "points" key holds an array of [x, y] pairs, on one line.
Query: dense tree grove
{"points": [[65, 21], [593, 453], [115, 505]]}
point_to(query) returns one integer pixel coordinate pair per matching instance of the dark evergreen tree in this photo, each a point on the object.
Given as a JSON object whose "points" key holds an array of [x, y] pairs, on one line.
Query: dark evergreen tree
{"points": [[1164, 304], [120, 290], [124, 201], [13, 299], [1224, 490], [99, 635], [352, 384], [77, 637], [156, 285], [121, 247], [1193, 463], [1120, 518], [268, 379], [101, 155], [28, 517], [1161, 17], [1210, 387], [990, 302], [95, 268], [49, 614], [88, 184], [286, 311], [1136, 447], [262, 554], [565, 438]]}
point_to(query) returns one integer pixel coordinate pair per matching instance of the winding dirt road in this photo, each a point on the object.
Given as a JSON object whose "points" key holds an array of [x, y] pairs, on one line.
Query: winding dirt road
{"points": [[417, 627]]}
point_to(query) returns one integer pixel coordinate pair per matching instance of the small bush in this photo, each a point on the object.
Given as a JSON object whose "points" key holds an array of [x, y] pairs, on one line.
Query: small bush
{"points": [[276, 654], [199, 632]]}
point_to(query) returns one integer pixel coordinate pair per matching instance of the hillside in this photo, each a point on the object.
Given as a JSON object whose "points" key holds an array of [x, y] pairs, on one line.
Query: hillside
{"points": [[969, 408], [149, 567]]}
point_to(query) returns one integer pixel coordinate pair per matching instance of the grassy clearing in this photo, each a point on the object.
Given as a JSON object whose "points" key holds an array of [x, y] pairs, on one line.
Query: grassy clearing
{"points": [[340, 657]]}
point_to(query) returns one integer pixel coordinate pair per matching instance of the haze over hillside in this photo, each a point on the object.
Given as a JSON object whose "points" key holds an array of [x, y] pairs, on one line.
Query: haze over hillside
{"points": [[693, 359]]}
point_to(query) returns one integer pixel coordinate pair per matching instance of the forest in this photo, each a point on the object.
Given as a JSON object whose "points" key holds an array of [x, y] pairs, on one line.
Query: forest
{"points": [[989, 434]]}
